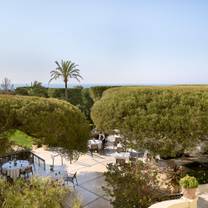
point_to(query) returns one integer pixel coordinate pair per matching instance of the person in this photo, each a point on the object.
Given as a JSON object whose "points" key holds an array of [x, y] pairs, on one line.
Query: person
{"points": [[103, 143]]}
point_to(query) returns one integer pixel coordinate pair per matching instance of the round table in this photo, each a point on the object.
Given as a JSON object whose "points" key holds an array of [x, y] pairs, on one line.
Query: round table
{"points": [[13, 170], [121, 155], [95, 141]]}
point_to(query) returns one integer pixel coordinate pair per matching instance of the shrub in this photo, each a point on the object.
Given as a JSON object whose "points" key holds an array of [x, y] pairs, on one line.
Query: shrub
{"points": [[132, 185], [164, 120], [32, 194], [21, 91], [50, 121], [188, 182]]}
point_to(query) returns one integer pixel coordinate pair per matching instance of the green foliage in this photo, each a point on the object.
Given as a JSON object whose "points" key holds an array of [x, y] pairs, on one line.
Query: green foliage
{"points": [[97, 91], [20, 138], [174, 173], [66, 70], [164, 120], [74, 94], [22, 91], [35, 193], [36, 89], [53, 122], [78, 96], [200, 175], [81, 97], [5, 145], [131, 185], [188, 182]]}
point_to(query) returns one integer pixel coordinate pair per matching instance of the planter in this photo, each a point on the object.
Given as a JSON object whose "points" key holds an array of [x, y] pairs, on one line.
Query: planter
{"points": [[189, 193]]}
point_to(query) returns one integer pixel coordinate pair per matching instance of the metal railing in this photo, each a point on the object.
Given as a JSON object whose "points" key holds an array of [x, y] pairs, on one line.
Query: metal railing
{"points": [[23, 155]]}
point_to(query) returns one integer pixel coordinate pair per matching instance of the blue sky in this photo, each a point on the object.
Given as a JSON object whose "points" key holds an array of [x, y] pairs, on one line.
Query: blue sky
{"points": [[113, 41]]}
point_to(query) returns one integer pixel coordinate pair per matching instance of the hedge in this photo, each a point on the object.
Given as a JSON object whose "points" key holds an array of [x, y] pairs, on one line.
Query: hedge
{"points": [[165, 120], [97, 91], [50, 121]]}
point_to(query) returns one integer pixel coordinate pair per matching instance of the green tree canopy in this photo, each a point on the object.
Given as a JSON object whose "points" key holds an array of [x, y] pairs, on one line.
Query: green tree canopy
{"points": [[50, 121], [163, 120]]}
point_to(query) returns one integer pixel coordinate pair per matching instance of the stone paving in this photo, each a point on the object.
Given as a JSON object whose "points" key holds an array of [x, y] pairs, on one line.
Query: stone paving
{"points": [[89, 175]]}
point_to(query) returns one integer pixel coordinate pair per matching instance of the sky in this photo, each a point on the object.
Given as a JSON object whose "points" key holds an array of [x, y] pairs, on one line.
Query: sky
{"points": [[112, 41]]}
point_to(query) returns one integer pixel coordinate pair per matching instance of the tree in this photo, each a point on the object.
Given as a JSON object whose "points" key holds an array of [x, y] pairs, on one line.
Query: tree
{"points": [[165, 120], [132, 185], [6, 85], [66, 70], [49, 121]]}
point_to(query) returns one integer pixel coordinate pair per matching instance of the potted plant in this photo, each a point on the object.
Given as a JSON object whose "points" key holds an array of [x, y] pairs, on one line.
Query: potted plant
{"points": [[189, 186]]}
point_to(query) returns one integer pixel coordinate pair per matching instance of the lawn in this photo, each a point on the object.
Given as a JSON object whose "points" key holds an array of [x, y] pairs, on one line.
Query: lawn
{"points": [[21, 139]]}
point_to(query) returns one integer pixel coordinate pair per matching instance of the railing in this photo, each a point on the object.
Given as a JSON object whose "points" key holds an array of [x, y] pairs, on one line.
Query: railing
{"points": [[39, 160], [23, 155]]}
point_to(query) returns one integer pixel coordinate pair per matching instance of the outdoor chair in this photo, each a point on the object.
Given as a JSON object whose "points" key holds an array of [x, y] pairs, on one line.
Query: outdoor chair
{"points": [[27, 172], [71, 179], [93, 148], [22, 172]]}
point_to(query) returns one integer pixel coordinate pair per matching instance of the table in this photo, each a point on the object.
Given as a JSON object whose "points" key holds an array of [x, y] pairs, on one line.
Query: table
{"points": [[95, 141], [121, 155], [13, 170]]}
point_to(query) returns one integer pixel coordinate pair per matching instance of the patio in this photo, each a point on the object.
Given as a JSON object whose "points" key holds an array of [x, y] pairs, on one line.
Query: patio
{"points": [[89, 175]]}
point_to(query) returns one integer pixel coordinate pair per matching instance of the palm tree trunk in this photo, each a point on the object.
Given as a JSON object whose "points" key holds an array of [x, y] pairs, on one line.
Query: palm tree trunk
{"points": [[66, 91]]}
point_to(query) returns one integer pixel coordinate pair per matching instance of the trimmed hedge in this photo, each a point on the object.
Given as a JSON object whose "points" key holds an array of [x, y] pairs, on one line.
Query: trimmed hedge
{"points": [[97, 92], [165, 120], [51, 121]]}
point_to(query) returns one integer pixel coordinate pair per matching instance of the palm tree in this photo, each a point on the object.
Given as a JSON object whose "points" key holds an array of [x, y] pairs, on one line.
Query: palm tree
{"points": [[66, 70]]}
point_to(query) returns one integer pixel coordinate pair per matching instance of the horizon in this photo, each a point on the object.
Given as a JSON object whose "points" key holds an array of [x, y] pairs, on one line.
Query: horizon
{"points": [[142, 42], [88, 85]]}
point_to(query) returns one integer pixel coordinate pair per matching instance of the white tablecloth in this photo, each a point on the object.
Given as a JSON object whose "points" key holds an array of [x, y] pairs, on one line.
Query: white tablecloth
{"points": [[14, 170], [121, 155], [98, 142]]}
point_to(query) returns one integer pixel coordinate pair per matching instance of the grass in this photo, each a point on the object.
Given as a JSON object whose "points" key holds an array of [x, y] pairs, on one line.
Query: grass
{"points": [[21, 139]]}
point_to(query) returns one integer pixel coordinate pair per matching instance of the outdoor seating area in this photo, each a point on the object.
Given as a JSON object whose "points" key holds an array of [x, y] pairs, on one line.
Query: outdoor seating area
{"points": [[20, 164], [43, 162]]}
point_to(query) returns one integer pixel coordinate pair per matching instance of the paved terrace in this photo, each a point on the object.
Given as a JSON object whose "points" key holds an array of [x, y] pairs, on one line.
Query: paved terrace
{"points": [[90, 176]]}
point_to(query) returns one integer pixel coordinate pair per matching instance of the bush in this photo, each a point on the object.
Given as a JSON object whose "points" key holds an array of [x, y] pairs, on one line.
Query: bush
{"points": [[21, 91], [188, 182], [50, 121], [38, 91], [132, 185], [164, 120], [32, 194]]}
